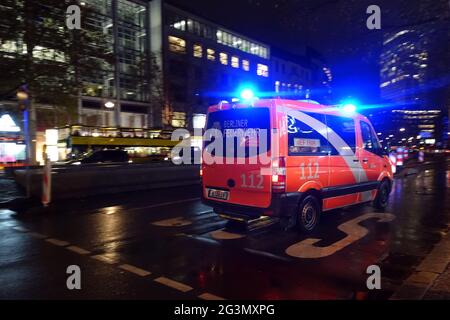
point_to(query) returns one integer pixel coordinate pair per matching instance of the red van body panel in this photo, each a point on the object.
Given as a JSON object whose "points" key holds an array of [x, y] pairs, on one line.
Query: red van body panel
{"points": [[339, 165]]}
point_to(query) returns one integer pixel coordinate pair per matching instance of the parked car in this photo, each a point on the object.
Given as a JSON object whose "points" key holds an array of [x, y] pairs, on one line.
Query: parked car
{"points": [[102, 156]]}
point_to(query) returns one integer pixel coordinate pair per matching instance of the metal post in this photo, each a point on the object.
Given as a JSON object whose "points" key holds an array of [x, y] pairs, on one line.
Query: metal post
{"points": [[46, 181], [26, 129]]}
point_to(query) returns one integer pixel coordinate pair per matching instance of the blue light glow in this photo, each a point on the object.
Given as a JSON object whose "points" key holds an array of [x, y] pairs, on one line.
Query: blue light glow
{"points": [[349, 108], [247, 94]]}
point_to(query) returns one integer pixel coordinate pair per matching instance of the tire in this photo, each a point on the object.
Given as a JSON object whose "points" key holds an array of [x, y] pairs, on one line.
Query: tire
{"points": [[381, 201], [308, 214]]}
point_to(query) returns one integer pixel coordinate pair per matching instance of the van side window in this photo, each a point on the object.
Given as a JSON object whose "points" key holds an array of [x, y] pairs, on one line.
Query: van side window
{"points": [[345, 128], [304, 140], [370, 142]]}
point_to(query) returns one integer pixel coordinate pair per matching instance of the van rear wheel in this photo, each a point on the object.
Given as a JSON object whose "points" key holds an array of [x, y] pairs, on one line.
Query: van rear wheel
{"points": [[308, 214]]}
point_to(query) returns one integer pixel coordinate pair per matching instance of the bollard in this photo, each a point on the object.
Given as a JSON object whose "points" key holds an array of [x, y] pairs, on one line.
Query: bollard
{"points": [[47, 182]]}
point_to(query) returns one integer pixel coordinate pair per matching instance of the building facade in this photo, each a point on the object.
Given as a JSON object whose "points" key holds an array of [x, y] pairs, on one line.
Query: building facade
{"points": [[197, 62], [411, 114], [204, 62]]}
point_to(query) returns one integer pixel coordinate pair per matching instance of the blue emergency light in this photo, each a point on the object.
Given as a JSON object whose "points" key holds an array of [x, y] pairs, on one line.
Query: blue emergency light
{"points": [[247, 94], [349, 108]]}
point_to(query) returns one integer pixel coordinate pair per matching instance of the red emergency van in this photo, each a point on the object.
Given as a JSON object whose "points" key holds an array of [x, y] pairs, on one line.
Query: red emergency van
{"points": [[316, 158]]}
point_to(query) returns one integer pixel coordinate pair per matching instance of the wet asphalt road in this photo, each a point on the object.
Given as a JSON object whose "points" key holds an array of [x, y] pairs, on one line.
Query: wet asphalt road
{"points": [[174, 247]]}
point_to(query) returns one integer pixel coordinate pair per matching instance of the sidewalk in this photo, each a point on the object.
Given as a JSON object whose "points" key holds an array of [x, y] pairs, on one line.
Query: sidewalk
{"points": [[9, 189], [431, 279]]}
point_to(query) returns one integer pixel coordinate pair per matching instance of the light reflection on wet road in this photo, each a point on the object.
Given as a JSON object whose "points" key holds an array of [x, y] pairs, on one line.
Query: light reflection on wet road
{"points": [[172, 235]]}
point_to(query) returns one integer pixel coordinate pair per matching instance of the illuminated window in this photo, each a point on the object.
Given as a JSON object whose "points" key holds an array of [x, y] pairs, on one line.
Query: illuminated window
{"points": [[262, 70], [223, 58], [198, 51], [211, 54], [179, 119], [235, 62], [245, 65], [177, 45], [180, 25]]}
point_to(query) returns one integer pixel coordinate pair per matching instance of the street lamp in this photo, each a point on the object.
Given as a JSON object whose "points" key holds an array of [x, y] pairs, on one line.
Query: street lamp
{"points": [[22, 95], [109, 104], [402, 129]]}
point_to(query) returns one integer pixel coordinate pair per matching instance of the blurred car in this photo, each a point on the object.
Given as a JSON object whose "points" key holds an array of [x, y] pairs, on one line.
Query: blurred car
{"points": [[101, 156]]}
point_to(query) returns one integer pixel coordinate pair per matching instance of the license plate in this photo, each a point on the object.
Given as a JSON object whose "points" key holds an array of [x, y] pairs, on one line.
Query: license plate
{"points": [[218, 194]]}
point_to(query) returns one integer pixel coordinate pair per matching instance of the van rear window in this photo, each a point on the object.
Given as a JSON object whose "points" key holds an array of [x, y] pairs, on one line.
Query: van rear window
{"points": [[241, 128]]}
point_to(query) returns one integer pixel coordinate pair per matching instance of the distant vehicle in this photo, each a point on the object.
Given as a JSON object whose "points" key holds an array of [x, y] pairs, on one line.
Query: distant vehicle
{"points": [[101, 156], [328, 158], [194, 158]]}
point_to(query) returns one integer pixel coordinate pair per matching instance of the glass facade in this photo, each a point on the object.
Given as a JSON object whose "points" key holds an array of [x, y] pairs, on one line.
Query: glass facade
{"points": [[132, 39], [183, 23]]}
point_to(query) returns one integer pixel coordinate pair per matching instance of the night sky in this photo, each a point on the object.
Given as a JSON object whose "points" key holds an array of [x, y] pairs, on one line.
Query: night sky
{"points": [[335, 28]]}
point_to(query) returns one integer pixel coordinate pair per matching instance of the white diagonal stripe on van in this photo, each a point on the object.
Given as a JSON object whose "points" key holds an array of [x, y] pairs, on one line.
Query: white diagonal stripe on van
{"points": [[335, 140]]}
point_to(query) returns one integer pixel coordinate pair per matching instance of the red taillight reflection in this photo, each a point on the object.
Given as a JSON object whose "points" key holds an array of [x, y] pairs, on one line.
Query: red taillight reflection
{"points": [[279, 175]]}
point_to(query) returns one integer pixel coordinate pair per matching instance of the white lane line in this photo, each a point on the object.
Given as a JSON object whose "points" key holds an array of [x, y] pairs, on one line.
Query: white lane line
{"points": [[173, 222], [164, 204], [38, 235], [105, 258], [21, 229], [173, 284], [78, 250], [209, 296], [57, 242], [135, 270]]}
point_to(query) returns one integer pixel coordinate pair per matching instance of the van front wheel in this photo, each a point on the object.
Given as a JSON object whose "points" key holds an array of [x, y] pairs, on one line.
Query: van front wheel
{"points": [[382, 198], [308, 214]]}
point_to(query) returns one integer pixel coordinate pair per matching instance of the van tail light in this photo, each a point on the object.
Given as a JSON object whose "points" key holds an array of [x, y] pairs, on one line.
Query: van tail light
{"points": [[201, 173], [279, 175]]}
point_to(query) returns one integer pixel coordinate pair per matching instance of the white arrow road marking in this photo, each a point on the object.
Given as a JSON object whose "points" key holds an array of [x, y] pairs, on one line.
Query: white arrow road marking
{"points": [[307, 249], [174, 222]]}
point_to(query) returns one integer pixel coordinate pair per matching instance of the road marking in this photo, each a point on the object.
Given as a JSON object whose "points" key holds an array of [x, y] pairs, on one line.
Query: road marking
{"points": [[354, 232], [173, 284], [164, 204], [225, 235], [38, 235], [78, 250], [105, 258], [57, 242], [135, 270], [209, 296], [174, 222], [21, 229]]}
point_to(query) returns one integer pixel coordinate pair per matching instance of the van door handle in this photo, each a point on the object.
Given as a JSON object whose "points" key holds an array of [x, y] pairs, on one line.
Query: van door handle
{"points": [[355, 160], [365, 160]]}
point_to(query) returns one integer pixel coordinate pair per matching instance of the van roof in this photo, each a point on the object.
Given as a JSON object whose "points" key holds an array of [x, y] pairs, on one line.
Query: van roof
{"points": [[294, 104]]}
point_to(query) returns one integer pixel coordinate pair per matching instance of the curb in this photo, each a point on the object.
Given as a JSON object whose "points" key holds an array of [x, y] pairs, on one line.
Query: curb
{"points": [[417, 285]]}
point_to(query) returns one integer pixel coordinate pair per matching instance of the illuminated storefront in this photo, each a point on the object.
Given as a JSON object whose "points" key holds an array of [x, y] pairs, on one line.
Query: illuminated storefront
{"points": [[12, 144]]}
